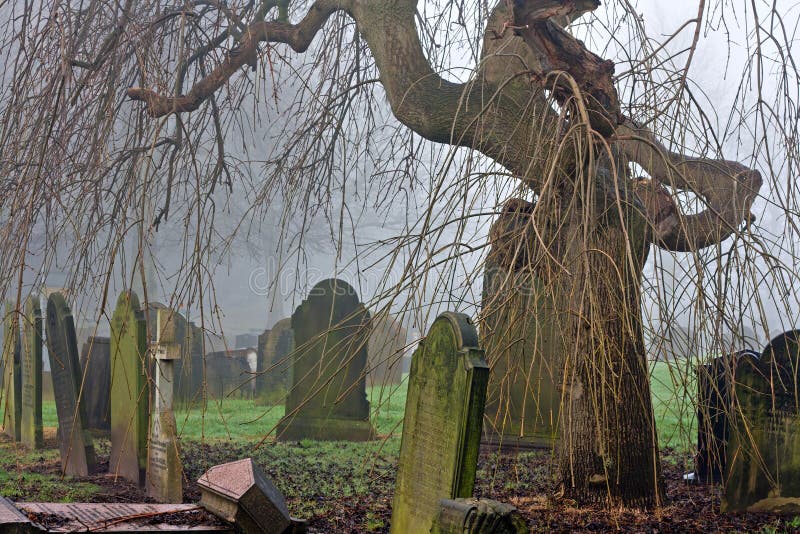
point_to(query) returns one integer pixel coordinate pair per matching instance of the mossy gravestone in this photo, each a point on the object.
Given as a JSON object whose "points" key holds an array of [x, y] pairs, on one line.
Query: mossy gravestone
{"points": [[75, 443], [12, 374], [763, 454], [523, 400], [96, 366], [328, 399], [442, 424], [130, 393], [31, 434]]}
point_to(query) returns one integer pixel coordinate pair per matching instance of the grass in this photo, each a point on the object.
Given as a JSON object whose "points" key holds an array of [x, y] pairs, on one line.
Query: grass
{"points": [[316, 474], [672, 386]]}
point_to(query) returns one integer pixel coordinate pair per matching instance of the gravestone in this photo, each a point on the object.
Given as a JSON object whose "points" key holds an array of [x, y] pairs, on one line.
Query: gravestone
{"points": [[274, 371], [523, 399], [12, 374], [130, 393], [188, 388], [31, 433], [96, 365], [164, 469], [74, 441], [328, 399], [763, 454], [385, 349], [229, 375], [714, 383], [240, 493], [442, 424]]}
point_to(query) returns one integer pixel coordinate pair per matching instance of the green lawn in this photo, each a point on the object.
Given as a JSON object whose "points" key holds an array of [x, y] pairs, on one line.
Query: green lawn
{"points": [[672, 385]]}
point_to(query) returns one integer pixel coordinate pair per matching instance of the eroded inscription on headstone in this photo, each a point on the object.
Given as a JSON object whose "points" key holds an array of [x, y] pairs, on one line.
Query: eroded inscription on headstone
{"points": [[523, 399], [130, 394], [164, 468], [763, 453], [12, 374], [31, 434], [442, 424], [75, 443], [328, 399]]}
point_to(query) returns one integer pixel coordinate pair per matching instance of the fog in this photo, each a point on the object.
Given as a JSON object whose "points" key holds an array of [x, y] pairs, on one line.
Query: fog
{"points": [[263, 254]]}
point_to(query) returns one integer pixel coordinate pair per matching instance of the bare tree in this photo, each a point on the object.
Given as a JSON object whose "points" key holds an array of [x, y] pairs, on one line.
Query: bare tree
{"points": [[79, 157]]}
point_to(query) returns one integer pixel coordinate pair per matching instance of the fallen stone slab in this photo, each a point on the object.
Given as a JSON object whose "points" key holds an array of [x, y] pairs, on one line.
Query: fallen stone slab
{"points": [[239, 492], [12, 521], [119, 517]]}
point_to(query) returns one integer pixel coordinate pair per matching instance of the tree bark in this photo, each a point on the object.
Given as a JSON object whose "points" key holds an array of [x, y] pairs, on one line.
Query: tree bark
{"points": [[583, 253]]}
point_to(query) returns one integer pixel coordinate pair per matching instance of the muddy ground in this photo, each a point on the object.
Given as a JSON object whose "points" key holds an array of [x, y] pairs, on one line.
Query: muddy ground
{"points": [[356, 497]]}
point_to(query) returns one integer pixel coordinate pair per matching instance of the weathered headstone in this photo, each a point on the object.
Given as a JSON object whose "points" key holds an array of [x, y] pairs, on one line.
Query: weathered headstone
{"points": [[477, 516], [188, 388], [385, 349], [31, 434], [274, 371], [442, 424], [714, 383], [328, 399], [74, 441], [12, 374], [130, 394], [164, 469], [763, 454], [229, 375], [239, 492], [523, 399], [96, 365]]}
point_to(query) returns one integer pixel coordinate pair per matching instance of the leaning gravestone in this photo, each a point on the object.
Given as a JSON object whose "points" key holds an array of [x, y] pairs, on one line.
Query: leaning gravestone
{"points": [[12, 375], [763, 454], [130, 394], [442, 424], [31, 434], [96, 365], [328, 399], [75, 443], [164, 469]]}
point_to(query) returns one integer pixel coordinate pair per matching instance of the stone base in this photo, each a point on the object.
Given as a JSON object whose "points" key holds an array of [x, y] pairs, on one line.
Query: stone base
{"points": [[495, 442], [294, 428]]}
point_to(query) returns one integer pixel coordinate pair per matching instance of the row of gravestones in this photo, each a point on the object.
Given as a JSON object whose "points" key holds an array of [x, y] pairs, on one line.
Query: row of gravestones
{"points": [[144, 458]]}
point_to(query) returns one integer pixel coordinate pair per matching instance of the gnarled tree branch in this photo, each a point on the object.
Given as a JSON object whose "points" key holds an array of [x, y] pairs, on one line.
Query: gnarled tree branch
{"points": [[298, 36], [728, 188]]}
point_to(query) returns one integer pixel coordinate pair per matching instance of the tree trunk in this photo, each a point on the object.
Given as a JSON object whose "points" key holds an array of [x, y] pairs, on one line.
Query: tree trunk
{"points": [[581, 254]]}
